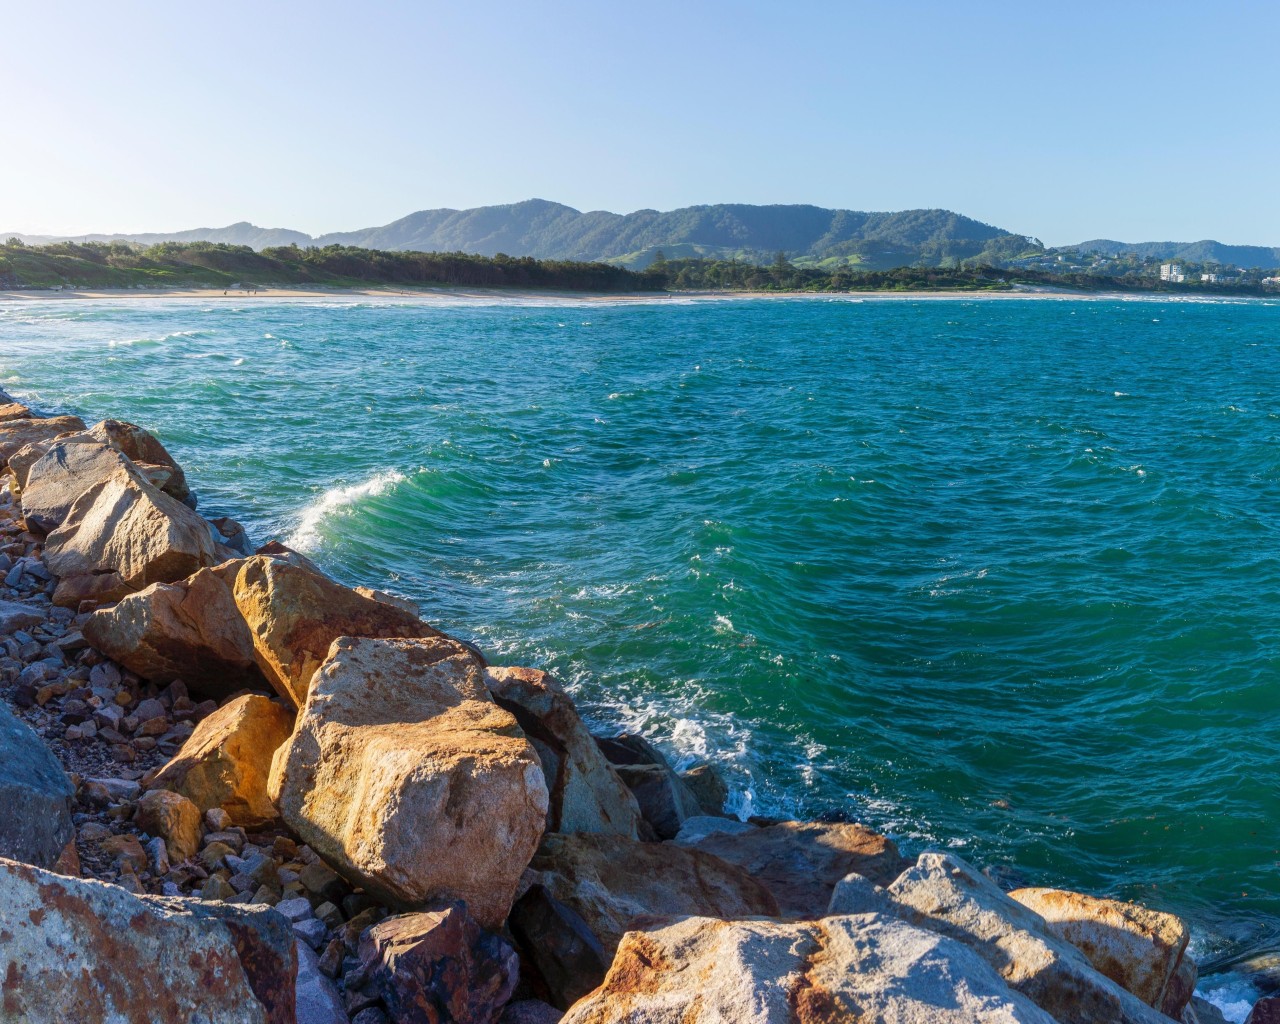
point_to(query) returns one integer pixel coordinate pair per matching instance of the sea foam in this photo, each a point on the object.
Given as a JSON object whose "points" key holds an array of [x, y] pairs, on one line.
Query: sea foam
{"points": [[336, 501]]}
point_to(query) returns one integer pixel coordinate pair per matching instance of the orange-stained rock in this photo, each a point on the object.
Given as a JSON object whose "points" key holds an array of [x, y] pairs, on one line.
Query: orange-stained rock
{"points": [[17, 433], [190, 630], [1139, 949], [406, 778], [142, 447], [945, 894], [585, 792], [174, 818], [841, 970], [294, 615], [80, 950], [227, 760], [13, 411], [121, 536], [438, 967], [801, 862], [606, 882]]}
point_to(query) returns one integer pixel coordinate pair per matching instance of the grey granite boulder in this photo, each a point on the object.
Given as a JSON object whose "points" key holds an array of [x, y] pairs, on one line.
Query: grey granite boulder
{"points": [[64, 472], [35, 794], [80, 950], [840, 970], [946, 895]]}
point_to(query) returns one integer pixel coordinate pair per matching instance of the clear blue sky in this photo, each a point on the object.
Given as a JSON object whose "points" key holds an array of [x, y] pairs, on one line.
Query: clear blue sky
{"points": [[1128, 119]]}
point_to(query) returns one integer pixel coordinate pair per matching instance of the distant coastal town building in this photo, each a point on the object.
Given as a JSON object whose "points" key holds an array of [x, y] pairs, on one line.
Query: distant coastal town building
{"points": [[1172, 272], [1209, 278]]}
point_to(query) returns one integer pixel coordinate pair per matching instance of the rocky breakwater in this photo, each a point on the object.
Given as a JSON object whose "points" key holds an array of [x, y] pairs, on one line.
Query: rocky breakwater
{"points": [[237, 790]]}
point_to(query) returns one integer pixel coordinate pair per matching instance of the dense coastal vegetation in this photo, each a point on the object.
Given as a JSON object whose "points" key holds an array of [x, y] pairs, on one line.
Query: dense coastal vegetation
{"points": [[112, 265]]}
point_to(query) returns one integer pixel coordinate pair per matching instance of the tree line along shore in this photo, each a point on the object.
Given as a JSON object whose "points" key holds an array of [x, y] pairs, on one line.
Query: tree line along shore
{"points": [[238, 790], [208, 265]]}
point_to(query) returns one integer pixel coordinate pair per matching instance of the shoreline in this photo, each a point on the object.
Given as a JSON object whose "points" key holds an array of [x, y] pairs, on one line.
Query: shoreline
{"points": [[428, 296]]}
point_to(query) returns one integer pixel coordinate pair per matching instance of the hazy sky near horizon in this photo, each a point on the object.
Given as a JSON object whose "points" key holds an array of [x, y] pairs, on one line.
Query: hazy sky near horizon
{"points": [[1125, 119]]}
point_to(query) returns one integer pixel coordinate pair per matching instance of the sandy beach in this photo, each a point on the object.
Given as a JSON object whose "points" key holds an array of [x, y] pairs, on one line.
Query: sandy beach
{"points": [[523, 296]]}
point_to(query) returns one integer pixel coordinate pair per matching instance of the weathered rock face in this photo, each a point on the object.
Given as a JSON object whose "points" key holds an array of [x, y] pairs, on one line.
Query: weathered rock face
{"points": [[141, 447], [584, 891], [64, 472], [15, 433], [801, 862], [174, 818], [841, 970], [438, 967], [121, 536], [404, 775], [77, 950], [946, 895], [586, 794], [35, 794], [10, 410], [227, 761], [664, 799], [21, 461], [707, 784], [294, 615], [1140, 950], [190, 630]]}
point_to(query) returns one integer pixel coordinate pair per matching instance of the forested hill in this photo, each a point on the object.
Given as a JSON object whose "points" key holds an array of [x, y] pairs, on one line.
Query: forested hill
{"points": [[549, 230], [553, 231], [1207, 251]]}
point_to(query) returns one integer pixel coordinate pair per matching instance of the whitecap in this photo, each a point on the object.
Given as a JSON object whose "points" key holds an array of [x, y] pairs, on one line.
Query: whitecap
{"points": [[1231, 993], [308, 533]]}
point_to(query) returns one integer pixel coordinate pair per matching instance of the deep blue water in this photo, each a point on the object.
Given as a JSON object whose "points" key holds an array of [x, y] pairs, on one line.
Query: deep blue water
{"points": [[997, 575]]}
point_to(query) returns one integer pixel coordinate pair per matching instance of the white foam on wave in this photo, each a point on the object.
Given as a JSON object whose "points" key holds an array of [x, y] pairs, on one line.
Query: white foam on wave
{"points": [[1233, 994], [335, 501]]}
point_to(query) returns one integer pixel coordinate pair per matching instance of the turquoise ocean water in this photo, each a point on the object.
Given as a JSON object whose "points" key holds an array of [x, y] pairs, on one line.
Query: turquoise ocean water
{"points": [[1000, 576]]}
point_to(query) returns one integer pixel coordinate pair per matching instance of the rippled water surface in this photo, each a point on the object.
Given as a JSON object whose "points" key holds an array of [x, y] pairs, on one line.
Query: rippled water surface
{"points": [[995, 575]]}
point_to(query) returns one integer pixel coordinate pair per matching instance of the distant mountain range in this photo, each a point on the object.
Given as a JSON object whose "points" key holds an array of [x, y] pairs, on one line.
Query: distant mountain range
{"points": [[549, 230], [809, 235], [1207, 251]]}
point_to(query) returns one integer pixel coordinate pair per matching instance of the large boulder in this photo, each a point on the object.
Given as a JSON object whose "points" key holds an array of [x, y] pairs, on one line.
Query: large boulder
{"points": [[121, 536], [141, 446], [1141, 950], [944, 894], [801, 862], [405, 776], [11, 410], [17, 433], [36, 795], [586, 794], [226, 762], [841, 970], [437, 967], [21, 461], [190, 630], [294, 615], [77, 950], [584, 891], [65, 471]]}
